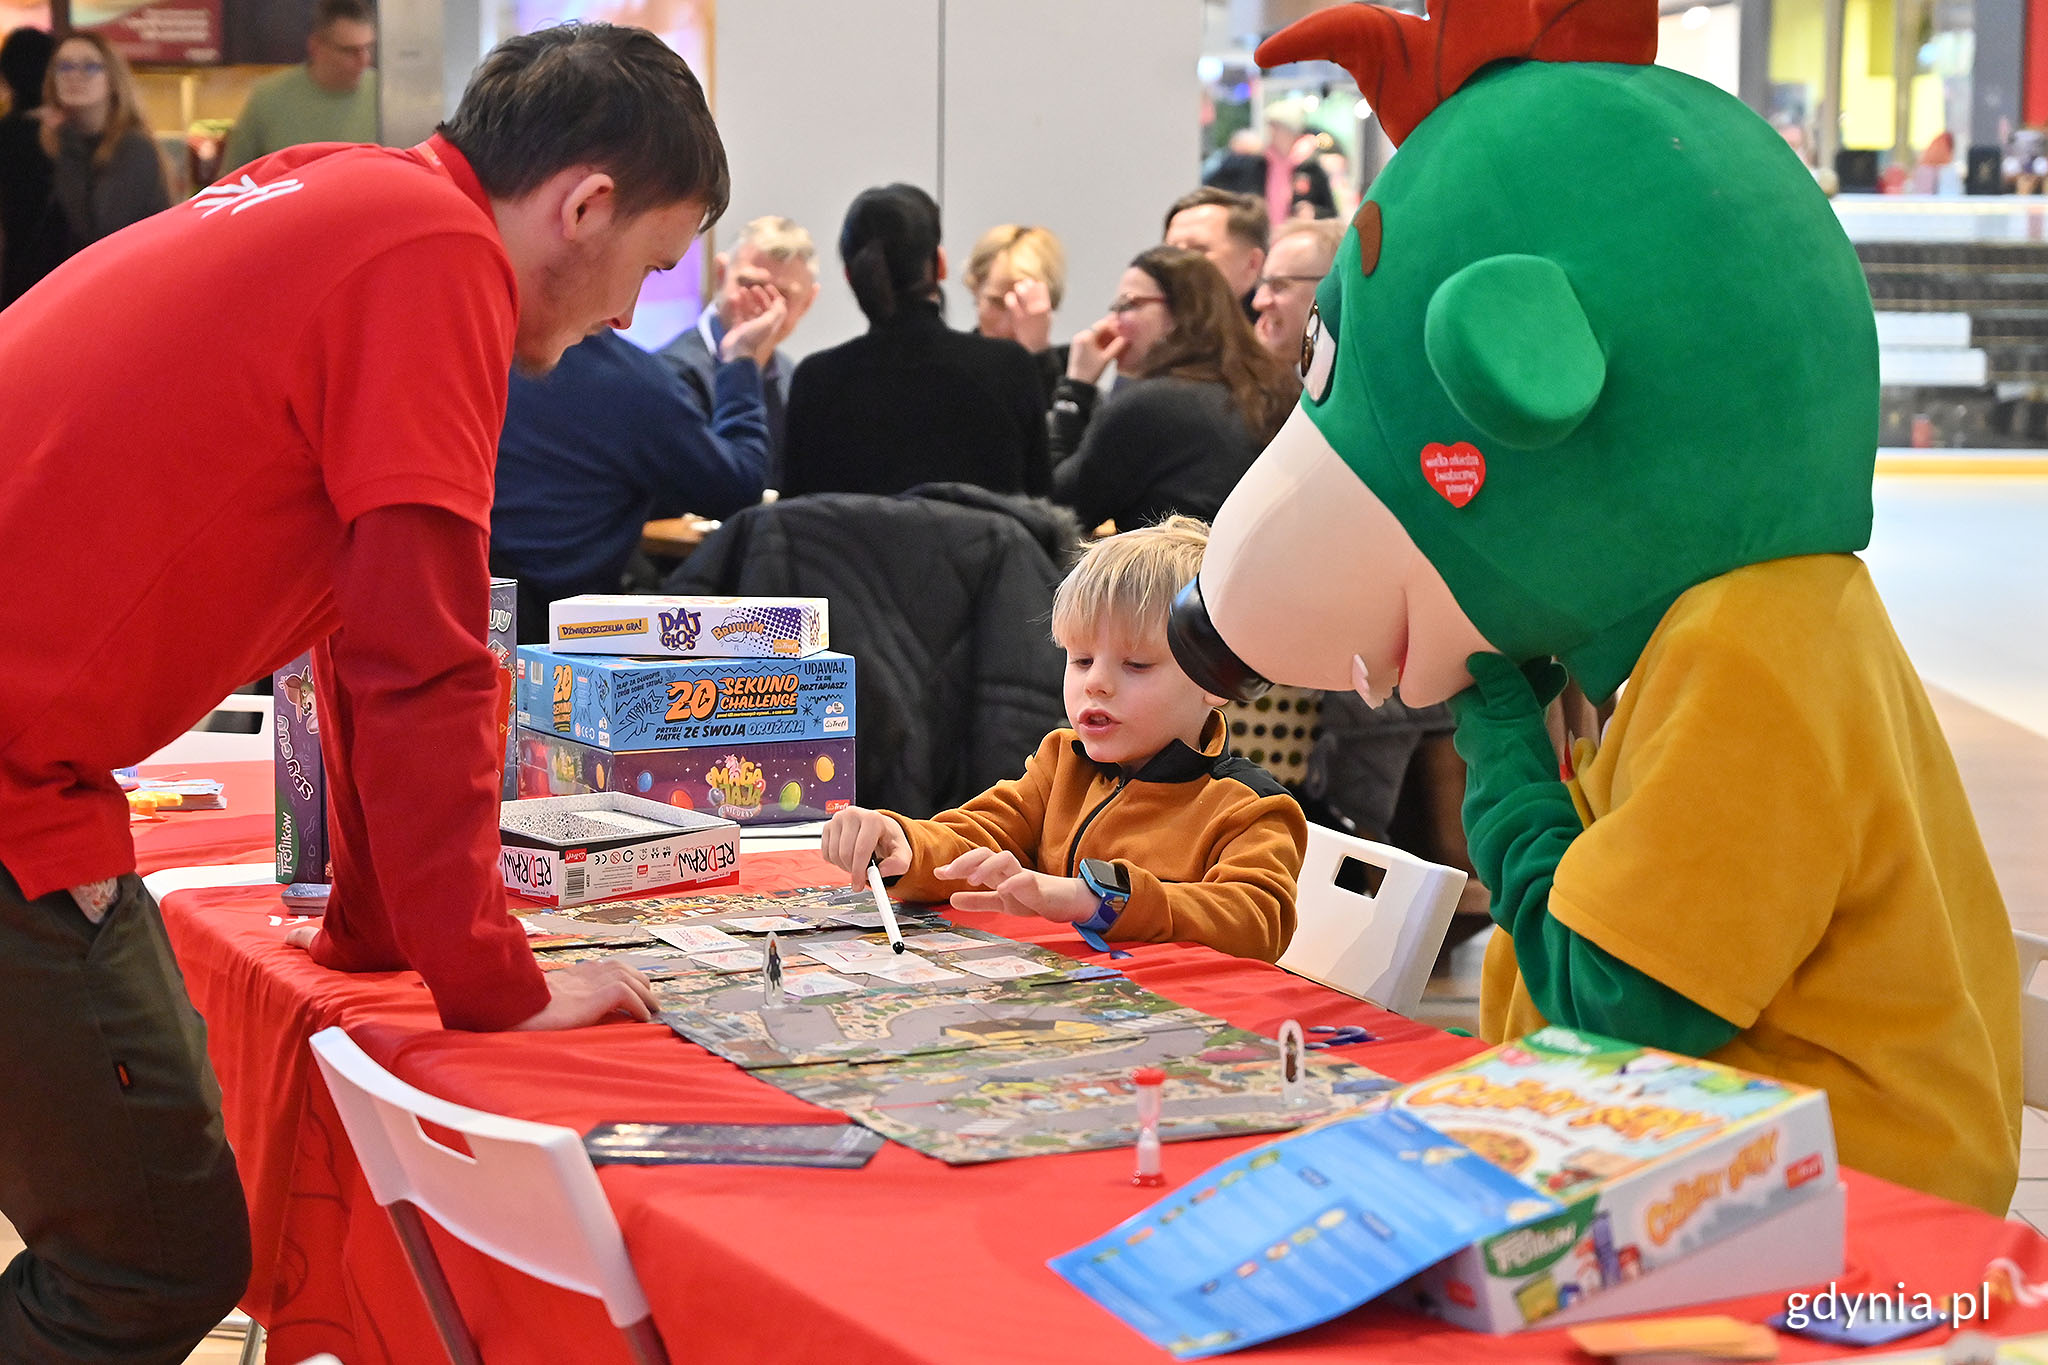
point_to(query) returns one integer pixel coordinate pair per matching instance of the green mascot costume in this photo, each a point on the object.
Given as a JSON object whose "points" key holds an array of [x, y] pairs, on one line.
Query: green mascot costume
{"points": [[1592, 389]]}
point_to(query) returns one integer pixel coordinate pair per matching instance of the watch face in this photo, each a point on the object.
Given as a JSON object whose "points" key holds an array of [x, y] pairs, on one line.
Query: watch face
{"points": [[1107, 875]]}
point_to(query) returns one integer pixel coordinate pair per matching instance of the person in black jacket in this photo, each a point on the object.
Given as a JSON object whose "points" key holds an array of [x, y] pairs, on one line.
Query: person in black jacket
{"points": [[28, 226], [108, 170], [912, 401], [1206, 398]]}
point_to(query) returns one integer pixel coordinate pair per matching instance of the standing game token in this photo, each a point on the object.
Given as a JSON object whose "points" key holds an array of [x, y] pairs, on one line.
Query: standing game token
{"points": [[772, 993], [1292, 1072]]}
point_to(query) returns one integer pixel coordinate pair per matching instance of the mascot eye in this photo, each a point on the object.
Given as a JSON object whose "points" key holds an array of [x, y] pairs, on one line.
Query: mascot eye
{"points": [[1318, 357]]}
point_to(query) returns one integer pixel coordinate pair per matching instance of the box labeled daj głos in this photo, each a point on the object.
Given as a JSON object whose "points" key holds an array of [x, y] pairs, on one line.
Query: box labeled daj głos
{"points": [[689, 627]]}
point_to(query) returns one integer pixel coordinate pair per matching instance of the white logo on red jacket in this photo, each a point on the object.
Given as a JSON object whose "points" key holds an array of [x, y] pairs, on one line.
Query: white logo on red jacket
{"points": [[242, 194]]}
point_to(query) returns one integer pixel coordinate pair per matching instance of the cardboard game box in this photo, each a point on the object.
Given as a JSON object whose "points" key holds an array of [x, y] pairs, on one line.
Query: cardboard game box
{"points": [[1655, 1157], [568, 850], [302, 851], [689, 627], [753, 784], [1555, 1180], [625, 704]]}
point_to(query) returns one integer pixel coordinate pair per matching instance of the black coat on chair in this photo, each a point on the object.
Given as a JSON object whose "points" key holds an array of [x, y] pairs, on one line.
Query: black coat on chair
{"points": [[943, 595]]}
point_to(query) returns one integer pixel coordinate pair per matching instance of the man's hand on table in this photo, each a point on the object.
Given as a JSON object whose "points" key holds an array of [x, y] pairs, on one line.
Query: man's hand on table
{"points": [[580, 995]]}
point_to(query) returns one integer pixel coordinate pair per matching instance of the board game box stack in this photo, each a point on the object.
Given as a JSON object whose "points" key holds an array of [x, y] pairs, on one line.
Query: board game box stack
{"points": [[302, 853], [730, 706], [1554, 1180]]}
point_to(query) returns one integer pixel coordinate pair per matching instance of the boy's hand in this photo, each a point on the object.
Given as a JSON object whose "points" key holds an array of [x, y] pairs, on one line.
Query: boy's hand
{"points": [[854, 833], [1016, 890]]}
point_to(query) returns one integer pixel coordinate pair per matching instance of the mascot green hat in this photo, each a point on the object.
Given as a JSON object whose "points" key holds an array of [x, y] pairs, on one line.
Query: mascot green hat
{"points": [[1595, 335]]}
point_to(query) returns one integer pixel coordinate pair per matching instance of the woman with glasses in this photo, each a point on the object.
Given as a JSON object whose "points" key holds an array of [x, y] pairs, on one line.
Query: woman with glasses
{"points": [[108, 170], [1203, 399], [912, 401]]}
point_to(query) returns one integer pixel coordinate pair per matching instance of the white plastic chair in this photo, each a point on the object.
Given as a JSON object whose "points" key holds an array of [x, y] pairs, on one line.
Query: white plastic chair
{"points": [[2033, 950], [1380, 946], [219, 746], [171, 879], [525, 1194]]}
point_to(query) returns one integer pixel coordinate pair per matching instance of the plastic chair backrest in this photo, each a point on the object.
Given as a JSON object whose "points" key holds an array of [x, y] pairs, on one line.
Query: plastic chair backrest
{"points": [[525, 1194], [162, 883], [2033, 950], [1378, 946], [221, 746]]}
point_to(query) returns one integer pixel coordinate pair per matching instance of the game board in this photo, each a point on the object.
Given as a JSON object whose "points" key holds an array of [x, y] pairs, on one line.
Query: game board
{"points": [[992, 1103]]}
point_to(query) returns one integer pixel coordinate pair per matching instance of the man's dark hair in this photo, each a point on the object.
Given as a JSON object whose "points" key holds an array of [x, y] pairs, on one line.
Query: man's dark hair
{"points": [[615, 99], [1247, 213], [327, 12]]}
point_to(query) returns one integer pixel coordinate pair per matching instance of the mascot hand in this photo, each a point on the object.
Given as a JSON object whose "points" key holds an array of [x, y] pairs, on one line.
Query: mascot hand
{"points": [[1501, 734]]}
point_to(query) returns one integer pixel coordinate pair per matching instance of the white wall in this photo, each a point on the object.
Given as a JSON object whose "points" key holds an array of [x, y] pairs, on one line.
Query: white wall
{"points": [[1077, 115]]}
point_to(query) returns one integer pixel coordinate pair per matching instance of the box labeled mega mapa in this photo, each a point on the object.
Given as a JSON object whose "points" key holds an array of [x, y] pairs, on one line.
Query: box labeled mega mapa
{"points": [[1682, 1181], [617, 703], [689, 627], [569, 850]]}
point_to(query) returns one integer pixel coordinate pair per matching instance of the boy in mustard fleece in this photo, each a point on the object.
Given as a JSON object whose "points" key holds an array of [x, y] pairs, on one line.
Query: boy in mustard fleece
{"points": [[1136, 824]]}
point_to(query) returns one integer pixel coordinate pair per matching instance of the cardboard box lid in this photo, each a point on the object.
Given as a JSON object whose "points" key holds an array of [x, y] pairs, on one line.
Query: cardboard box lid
{"points": [[566, 822]]}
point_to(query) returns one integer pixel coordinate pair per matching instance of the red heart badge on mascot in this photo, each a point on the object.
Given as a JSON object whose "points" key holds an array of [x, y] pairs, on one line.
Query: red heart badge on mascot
{"points": [[1457, 471]]}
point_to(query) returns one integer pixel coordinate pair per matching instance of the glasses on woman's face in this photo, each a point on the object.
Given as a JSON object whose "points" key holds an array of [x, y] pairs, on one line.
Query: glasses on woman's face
{"points": [[85, 68], [1130, 304]]}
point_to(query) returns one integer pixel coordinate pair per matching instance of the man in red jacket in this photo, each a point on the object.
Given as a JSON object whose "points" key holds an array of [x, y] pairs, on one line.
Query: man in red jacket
{"points": [[266, 419]]}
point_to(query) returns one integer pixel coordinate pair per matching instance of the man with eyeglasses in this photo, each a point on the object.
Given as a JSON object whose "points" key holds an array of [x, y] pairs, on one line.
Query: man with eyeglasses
{"points": [[331, 97], [1301, 254]]}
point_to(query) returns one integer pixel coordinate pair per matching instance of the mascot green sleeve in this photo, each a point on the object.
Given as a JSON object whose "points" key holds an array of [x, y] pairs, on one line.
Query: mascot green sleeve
{"points": [[1594, 380]]}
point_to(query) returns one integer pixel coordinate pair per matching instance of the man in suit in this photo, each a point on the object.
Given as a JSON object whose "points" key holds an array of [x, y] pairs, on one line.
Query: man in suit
{"points": [[771, 252]]}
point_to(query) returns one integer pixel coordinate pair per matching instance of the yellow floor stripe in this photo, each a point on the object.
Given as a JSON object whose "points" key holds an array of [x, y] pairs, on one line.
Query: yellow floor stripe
{"points": [[2008, 466]]}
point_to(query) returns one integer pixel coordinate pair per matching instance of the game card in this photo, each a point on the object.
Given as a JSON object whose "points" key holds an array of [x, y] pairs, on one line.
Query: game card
{"points": [[906, 969], [696, 938], [844, 1145], [853, 956], [803, 985], [742, 960], [1007, 968], [943, 942], [766, 924]]}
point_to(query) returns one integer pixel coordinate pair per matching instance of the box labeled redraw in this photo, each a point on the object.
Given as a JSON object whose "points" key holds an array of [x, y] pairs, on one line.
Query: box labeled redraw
{"points": [[754, 784], [622, 704], [1654, 1156], [302, 851], [689, 627], [567, 850]]}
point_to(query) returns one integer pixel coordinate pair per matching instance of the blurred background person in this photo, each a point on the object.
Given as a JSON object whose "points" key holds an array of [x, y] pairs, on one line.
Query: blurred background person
{"points": [[1301, 255], [107, 172], [1018, 276], [912, 401], [774, 253], [1230, 229], [1307, 186], [28, 230], [612, 437], [1239, 165], [1202, 399], [330, 97]]}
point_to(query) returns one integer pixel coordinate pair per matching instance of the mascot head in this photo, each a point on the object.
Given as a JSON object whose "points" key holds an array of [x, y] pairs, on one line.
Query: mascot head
{"points": [[1595, 336]]}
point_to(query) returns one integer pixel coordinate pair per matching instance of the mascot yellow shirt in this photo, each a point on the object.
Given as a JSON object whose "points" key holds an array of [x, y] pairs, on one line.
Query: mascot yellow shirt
{"points": [[1778, 833]]}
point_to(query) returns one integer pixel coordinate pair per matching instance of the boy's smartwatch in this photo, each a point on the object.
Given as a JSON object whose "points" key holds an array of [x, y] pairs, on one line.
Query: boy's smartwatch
{"points": [[1111, 885]]}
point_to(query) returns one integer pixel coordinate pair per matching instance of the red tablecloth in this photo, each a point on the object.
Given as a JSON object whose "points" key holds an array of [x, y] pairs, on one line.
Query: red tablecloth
{"points": [[905, 1260], [243, 832]]}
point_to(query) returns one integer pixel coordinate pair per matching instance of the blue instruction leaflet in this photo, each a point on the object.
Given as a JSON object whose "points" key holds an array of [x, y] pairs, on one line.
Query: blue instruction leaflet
{"points": [[1296, 1232]]}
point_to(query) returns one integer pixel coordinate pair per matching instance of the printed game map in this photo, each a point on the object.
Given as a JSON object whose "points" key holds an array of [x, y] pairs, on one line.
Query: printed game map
{"points": [[969, 1047]]}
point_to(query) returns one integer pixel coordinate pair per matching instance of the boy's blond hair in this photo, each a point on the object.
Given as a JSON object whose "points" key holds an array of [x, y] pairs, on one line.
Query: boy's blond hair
{"points": [[1129, 579]]}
